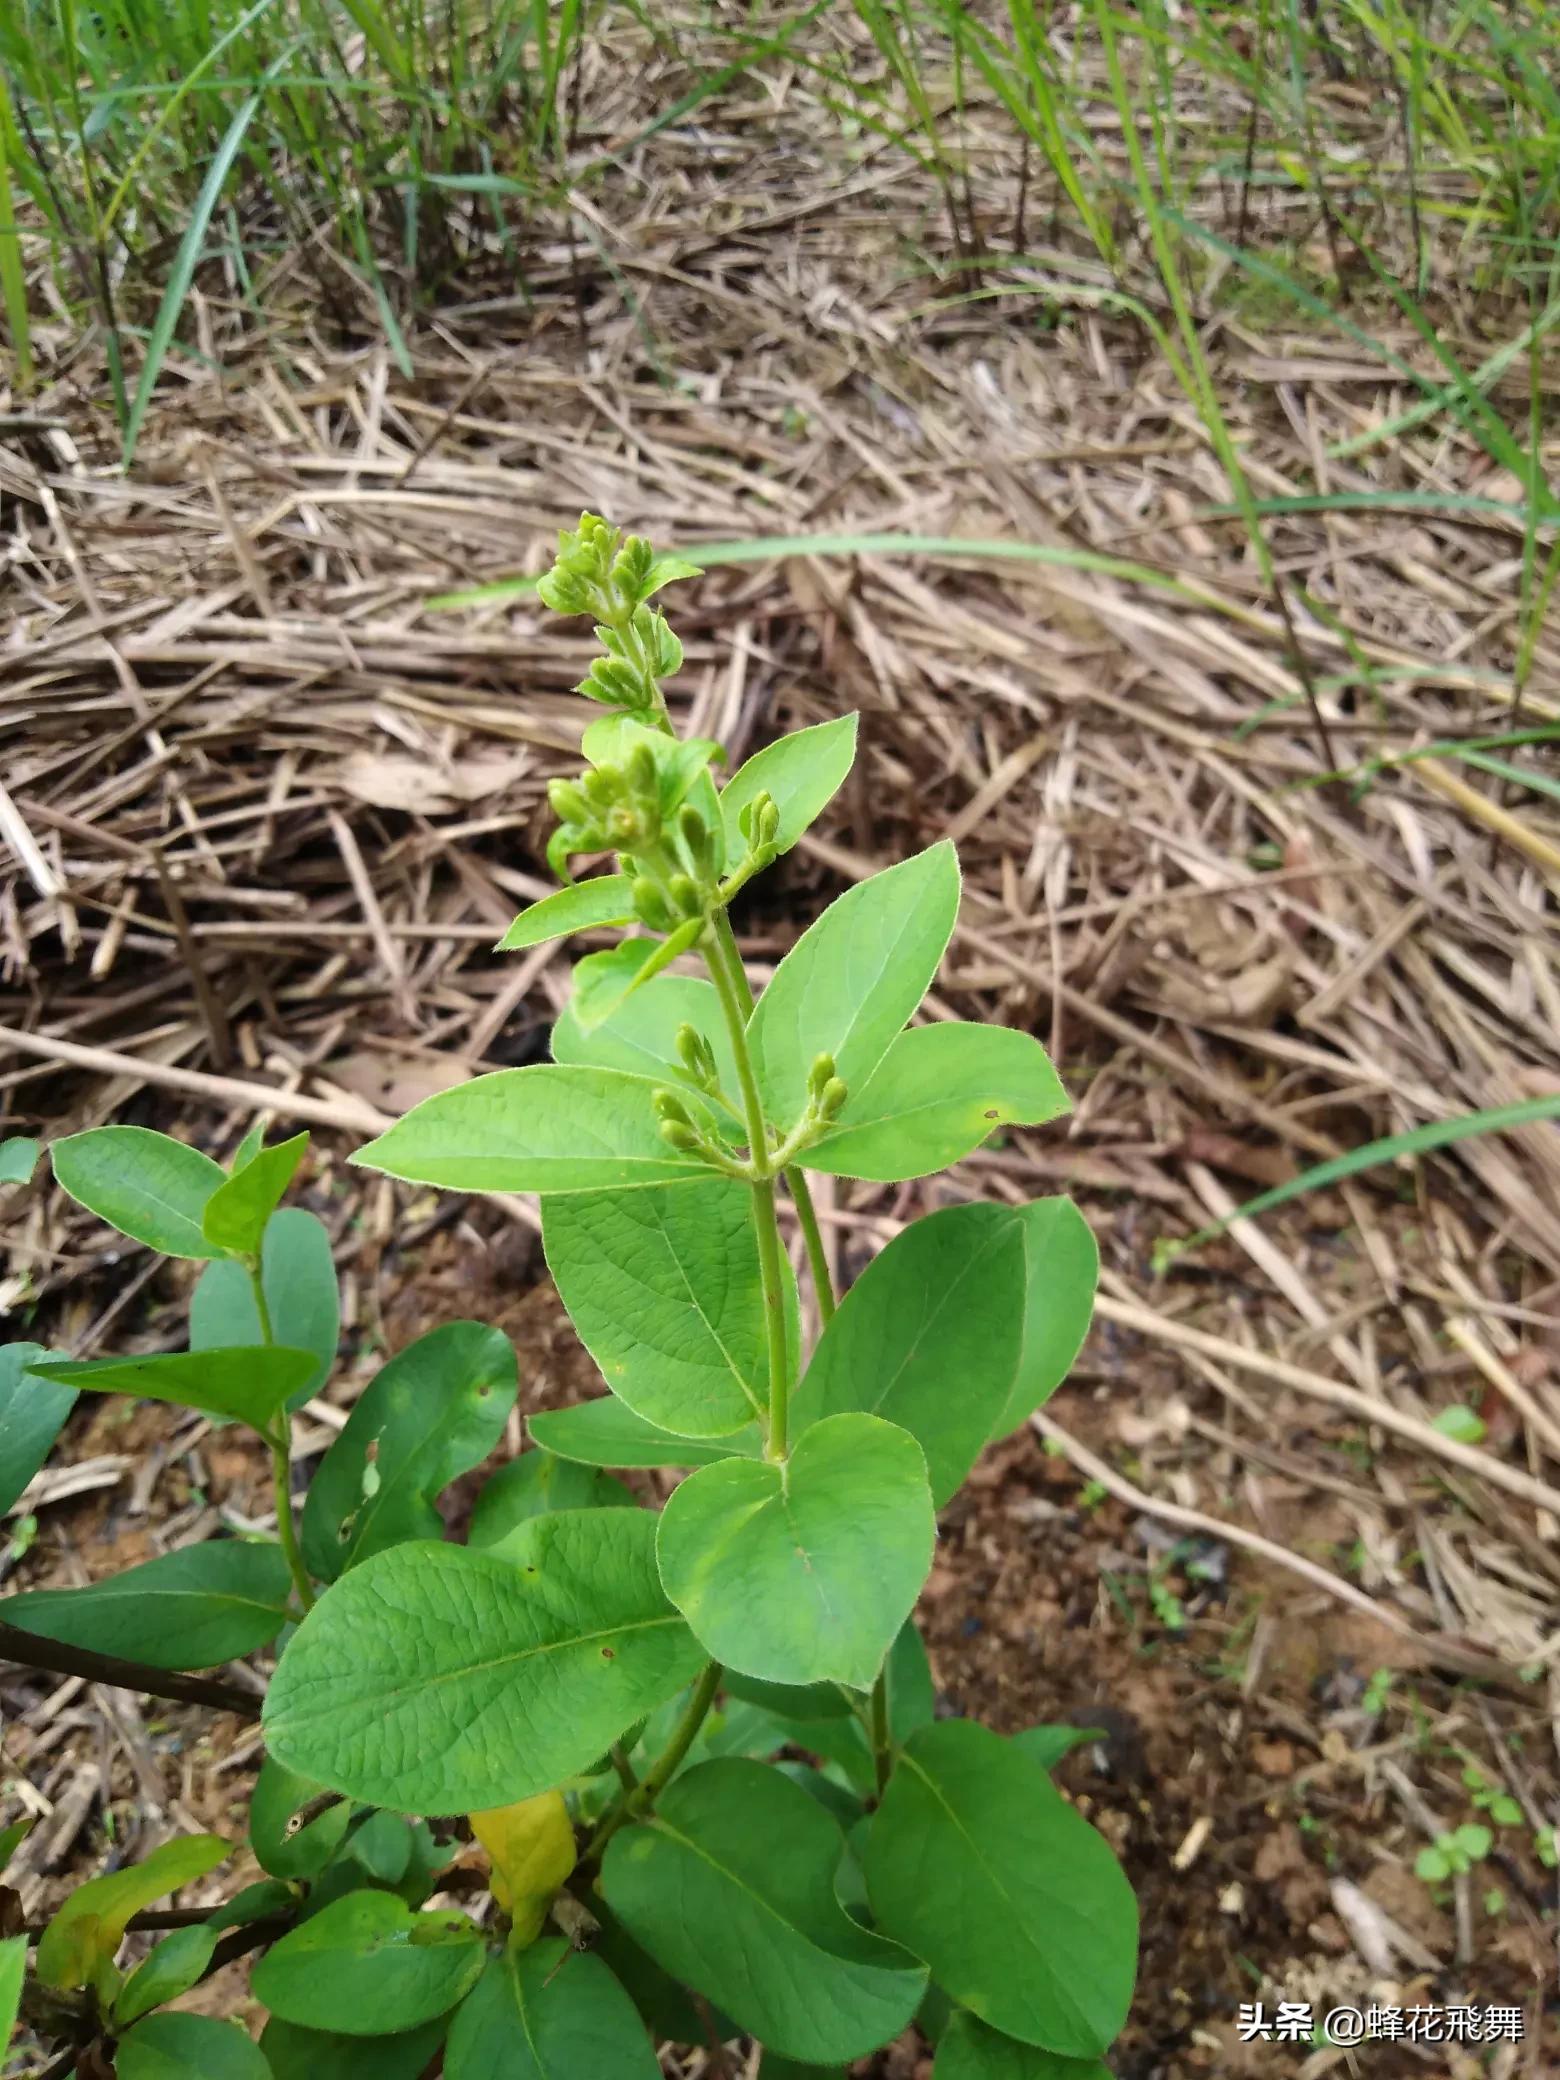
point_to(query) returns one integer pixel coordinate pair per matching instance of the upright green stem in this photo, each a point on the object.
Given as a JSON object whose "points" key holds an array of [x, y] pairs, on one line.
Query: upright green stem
{"points": [[817, 1261], [666, 1765], [736, 999], [281, 1461]]}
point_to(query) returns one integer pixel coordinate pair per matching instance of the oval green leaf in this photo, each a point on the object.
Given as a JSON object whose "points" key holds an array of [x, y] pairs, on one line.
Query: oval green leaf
{"points": [[148, 1186], [90, 1926], [237, 1211], [246, 1386], [298, 1277], [929, 1337], [537, 1484], [853, 978], [548, 2013], [189, 2047], [581, 907], [32, 1415], [433, 1679], [937, 1093], [971, 2050], [803, 1573], [1062, 1262], [978, 1865], [542, 1129], [18, 1159], [368, 1966], [608, 1433], [312, 2054], [189, 1609], [282, 1846], [801, 773], [173, 1967], [432, 1413], [665, 1292], [749, 1860]]}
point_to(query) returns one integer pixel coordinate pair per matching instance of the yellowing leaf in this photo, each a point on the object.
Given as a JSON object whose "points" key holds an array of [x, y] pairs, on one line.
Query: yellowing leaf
{"points": [[532, 1850], [89, 1928]]}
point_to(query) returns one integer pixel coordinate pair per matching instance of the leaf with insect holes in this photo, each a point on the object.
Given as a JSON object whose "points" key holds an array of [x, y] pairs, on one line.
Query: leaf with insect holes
{"points": [[298, 1277], [235, 1215], [191, 1608], [535, 1485], [548, 2013], [189, 2047], [542, 1129], [803, 1573], [368, 1965], [970, 2050], [747, 1860], [665, 1292], [938, 1092], [608, 1433], [89, 1927], [149, 1186], [32, 1415], [435, 1680], [583, 906], [978, 1865], [929, 1337], [801, 773], [531, 1848], [247, 1386], [853, 978], [430, 1414]]}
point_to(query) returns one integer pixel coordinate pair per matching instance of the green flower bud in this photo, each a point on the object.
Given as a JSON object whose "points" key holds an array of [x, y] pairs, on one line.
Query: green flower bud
{"points": [[568, 801], [831, 1097], [666, 1105], [641, 770], [650, 905], [678, 1135], [604, 785], [767, 821], [820, 1074], [684, 893]]}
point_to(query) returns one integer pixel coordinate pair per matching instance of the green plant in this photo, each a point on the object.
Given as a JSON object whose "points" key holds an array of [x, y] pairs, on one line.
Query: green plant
{"points": [[698, 1747], [1453, 1855]]}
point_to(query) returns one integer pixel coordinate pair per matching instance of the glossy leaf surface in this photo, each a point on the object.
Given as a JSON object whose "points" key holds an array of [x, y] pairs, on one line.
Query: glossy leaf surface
{"points": [[368, 1966], [549, 2013], [608, 1433], [147, 1185]]}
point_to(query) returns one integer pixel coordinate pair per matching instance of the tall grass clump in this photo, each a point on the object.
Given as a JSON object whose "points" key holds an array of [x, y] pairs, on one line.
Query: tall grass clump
{"points": [[374, 143]]}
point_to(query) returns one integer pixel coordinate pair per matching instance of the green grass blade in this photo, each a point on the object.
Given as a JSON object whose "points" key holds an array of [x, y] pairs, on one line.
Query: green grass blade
{"points": [[765, 547], [1439, 1133], [178, 284], [13, 282]]}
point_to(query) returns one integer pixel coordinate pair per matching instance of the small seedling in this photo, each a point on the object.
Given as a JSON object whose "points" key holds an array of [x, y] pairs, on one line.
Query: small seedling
{"points": [[1501, 1807], [1453, 1855], [613, 1703]]}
